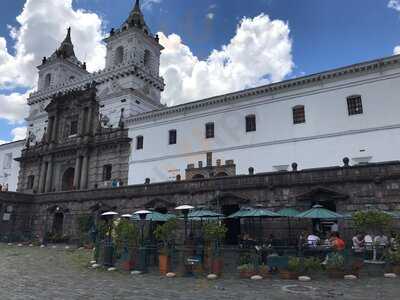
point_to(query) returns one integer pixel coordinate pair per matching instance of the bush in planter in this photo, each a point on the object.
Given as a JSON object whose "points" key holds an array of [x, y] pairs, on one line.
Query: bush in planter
{"points": [[335, 266], [85, 223], [312, 266], [393, 258], [294, 269], [165, 234], [214, 233], [126, 239], [246, 270]]}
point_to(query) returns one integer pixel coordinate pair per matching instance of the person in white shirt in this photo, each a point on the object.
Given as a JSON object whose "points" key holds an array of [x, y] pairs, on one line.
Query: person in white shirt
{"points": [[313, 240], [368, 241], [358, 243], [335, 227], [381, 240]]}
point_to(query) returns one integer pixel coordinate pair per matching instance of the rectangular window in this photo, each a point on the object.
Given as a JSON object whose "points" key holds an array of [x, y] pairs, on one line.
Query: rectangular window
{"points": [[7, 162], [139, 142], [172, 137], [107, 172], [74, 128], [31, 180], [299, 114], [354, 105], [209, 130], [250, 123]]}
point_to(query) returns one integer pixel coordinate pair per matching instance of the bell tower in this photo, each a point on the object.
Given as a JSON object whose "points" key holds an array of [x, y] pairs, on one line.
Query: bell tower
{"points": [[134, 43], [62, 66]]}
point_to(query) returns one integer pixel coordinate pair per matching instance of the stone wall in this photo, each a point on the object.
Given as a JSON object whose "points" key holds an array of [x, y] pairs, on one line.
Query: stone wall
{"points": [[346, 189]]}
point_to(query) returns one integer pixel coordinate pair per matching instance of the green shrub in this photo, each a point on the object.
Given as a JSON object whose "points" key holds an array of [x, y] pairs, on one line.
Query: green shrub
{"points": [[295, 264], [335, 261], [165, 233]]}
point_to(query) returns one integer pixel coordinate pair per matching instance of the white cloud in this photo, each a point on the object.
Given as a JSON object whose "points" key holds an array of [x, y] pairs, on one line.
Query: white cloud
{"points": [[395, 4], [396, 50], [13, 107], [18, 133], [148, 4], [210, 16], [41, 27], [259, 53]]}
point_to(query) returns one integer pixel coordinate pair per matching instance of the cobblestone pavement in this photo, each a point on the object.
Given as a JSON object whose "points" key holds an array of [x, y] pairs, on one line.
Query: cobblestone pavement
{"points": [[35, 273]]}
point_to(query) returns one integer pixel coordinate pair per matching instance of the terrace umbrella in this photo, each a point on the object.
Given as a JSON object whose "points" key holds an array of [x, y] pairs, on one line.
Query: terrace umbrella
{"points": [[319, 212], [204, 214], [155, 217], [289, 213], [254, 213]]}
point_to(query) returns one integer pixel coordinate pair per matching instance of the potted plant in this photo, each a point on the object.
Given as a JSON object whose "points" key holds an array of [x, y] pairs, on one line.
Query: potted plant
{"points": [[335, 266], [246, 271], [165, 234], [126, 240], [293, 269], [214, 233], [263, 271], [312, 266], [393, 258]]}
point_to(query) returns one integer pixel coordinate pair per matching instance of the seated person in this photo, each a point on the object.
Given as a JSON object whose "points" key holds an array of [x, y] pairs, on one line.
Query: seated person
{"points": [[381, 240], [313, 240], [368, 241], [358, 243], [337, 243]]}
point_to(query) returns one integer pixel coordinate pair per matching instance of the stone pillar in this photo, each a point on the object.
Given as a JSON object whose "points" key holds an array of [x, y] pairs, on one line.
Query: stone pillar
{"points": [[54, 130], [84, 173], [81, 122], [50, 129], [89, 121], [42, 177], [77, 174], [49, 176]]}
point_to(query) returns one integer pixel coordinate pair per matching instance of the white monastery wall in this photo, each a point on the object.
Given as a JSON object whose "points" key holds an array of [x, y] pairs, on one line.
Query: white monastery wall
{"points": [[9, 168]]}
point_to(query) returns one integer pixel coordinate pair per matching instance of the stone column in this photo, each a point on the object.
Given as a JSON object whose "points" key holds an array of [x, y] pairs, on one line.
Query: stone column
{"points": [[49, 176], [84, 173], [89, 121], [42, 177], [77, 174], [81, 122], [54, 130], [50, 129]]}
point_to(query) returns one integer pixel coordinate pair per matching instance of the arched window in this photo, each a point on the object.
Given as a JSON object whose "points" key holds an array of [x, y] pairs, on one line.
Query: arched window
{"points": [[119, 55], [299, 114], [147, 58], [198, 176], [47, 81]]}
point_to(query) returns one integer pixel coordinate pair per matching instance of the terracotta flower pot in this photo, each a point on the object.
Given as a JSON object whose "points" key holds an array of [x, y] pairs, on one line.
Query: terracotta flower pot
{"points": [[336, 274], [128, 265], [287, 275], [246, 274], [216, 266], [164, 264]]}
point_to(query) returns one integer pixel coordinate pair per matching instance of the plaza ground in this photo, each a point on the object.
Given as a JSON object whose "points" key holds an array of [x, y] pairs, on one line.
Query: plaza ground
{"points": [[35, 273]]}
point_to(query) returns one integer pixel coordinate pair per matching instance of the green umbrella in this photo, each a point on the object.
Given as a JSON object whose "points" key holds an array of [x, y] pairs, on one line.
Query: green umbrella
{"points": [[204, 214], [250, 213], [289, 213], [318, 212], [155, 217], [254, 213]]}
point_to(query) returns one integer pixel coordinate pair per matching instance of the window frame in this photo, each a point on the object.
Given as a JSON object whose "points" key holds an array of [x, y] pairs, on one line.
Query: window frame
{"points": [[210, 130], [107, 172], [251, 123], [172, 137], [139, 142], [31, 182], [76, 128], [355, 105], [299, 114]]}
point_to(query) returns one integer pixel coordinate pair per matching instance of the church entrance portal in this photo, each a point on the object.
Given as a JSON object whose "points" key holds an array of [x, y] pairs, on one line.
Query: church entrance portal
{"points": [[233, 225], [58, 224], [68, 180]]}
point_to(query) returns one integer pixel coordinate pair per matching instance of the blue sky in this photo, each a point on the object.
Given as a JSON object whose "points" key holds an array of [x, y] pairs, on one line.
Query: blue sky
{"points": [[324, 34]]}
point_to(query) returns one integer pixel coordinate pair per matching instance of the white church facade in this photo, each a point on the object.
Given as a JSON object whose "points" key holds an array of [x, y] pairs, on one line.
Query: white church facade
{"points": [[313, 121]]}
